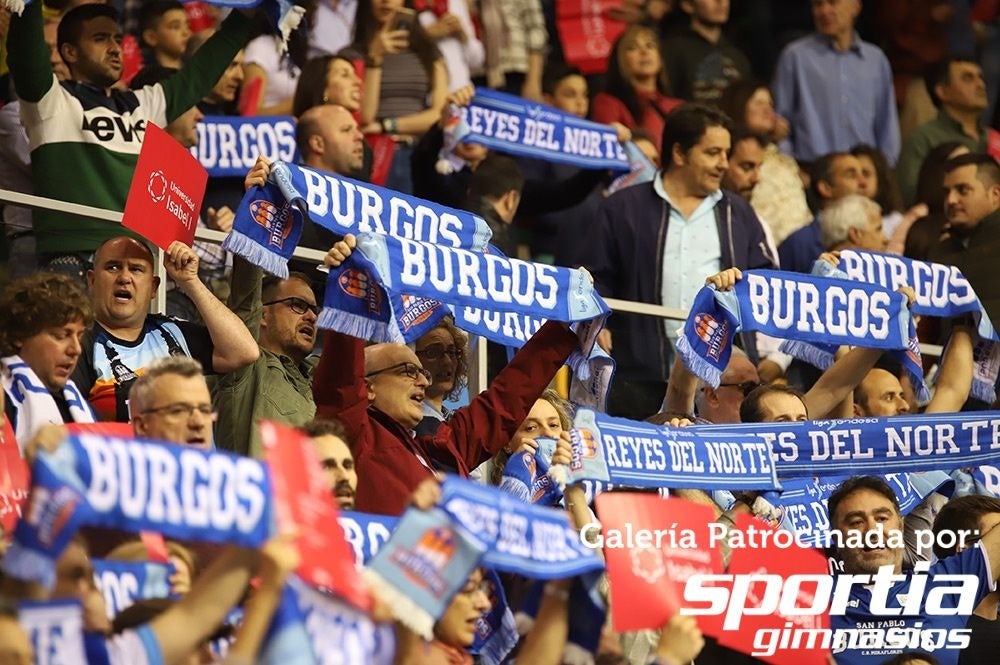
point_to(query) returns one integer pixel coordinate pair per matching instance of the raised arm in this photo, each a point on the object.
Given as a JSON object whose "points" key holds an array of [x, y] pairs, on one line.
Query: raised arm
{"points": [[28, 55], [839, 380], [234, 346], [955, 378]]}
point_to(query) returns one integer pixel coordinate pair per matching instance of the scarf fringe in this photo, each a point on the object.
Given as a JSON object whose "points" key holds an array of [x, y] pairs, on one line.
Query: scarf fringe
{"points": [[806, 352], [354, 325], [403, 607], [983, 391], [698, 365], [242, 245], [288, 24], [30, 565]]}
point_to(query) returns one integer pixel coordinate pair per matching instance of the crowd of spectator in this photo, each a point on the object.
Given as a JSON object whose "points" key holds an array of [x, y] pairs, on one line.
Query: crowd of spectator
{"points": [[782, 133]]}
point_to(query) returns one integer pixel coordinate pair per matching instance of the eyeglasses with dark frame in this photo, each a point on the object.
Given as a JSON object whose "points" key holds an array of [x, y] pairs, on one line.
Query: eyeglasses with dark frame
{"points": [[296, 304], [182, 410], [407, 369], [745, 387], [439, 351]]}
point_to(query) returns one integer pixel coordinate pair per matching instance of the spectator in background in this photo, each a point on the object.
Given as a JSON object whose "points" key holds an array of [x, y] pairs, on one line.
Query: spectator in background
{"points": [[171, 402], [449, 24], [926, 231], [444, 352], [636, 94], [221, 100], [515, 40], [700, 62], [878, 182], [330, 441], [270, 73], [126, 337], [957, 88], [835, 89], [163, 27], [42, 320], [699, 226], [327, 79], [405, 82], [852, 222], [85, 165], [833, 176], [495, 193], [779, 197]]}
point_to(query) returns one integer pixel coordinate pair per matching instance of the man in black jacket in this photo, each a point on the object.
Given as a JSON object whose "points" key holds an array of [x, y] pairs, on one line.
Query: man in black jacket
{"points": [[656, 242]]}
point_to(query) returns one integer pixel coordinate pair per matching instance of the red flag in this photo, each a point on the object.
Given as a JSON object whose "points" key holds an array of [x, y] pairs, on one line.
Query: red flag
{"points": [[652, 545], [15, 478], [303, 502], [587, 35], [164, 200], [762, 598]]}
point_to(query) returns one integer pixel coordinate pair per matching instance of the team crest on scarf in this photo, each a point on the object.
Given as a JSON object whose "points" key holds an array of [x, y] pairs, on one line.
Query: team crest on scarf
{"points": [[416, 311], [715, 334], [276, 220], [425, 563]]}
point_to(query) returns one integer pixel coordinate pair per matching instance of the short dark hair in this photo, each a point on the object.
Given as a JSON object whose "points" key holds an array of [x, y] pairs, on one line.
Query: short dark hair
{"points": [[855, 483], [750, 407], [745, 134], [269, 284], [152, 11], [686, 124], [554, 74], [31, 304], [987, 168], [151, 75], [961, 514], [939, 73], [887, 196], [71, 24], [822, 171], [325, 427], [495, 176]]}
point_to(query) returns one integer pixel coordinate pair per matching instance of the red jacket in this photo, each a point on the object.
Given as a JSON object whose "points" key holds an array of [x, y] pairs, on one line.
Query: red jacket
{"points": [[385, 452]]}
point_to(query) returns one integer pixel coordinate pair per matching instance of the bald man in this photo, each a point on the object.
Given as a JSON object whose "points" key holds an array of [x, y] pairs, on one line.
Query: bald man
{"points": [[378, 392], [126, 338]]}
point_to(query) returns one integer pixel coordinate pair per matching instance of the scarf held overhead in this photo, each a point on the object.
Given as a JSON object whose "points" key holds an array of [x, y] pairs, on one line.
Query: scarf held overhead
{"points": [[228, 146], [788, 305]]}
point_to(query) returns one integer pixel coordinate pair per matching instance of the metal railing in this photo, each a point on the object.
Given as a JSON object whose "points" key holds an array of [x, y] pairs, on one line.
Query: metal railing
{"points": [[477, 378]]}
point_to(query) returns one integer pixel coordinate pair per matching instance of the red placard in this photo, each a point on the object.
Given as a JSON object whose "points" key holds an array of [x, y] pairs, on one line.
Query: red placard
{"points": [[122, 430], [993, 143], [587, 35], [303, 503], [15, 478], [639, 569], [781, 564], [164, 200]]}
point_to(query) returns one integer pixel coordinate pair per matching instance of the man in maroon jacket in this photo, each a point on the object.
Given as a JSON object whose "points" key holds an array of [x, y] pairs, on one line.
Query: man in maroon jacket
{"points": [[377, 393]]}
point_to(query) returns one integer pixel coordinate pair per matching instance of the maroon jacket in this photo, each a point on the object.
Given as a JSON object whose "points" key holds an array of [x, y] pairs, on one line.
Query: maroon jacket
{"points": [[385, 452]]}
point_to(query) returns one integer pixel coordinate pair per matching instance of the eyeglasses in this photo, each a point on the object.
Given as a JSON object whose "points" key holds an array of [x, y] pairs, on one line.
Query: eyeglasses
{"points": [[180, 410], [439, 351], [746, 387], [407, 369], [297, 305]]}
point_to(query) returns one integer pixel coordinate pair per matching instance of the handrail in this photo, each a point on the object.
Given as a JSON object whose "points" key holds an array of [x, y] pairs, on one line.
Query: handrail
{"points": [[208, 235]]}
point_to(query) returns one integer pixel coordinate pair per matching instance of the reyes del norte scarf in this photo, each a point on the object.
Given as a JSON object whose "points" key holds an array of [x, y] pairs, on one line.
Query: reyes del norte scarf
{"points": [[637, 454], [133, 486], [268, 223], [33, 403], [516, 126], [228, 146], [941, 291], [792, 306]]}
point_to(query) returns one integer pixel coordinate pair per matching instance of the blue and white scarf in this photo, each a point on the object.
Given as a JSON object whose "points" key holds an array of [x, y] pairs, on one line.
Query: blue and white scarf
{"points": [[55, 630], [181, 492], [496, 630], [520, 127], [33, 403], [125, 582], [862, 446], [452, 276], [526, 476], [310, 628], [641, 169], [365, 533], [228, 146], [343, 206], [640, 454], [791, 306], [803, 501], [941, 291]]}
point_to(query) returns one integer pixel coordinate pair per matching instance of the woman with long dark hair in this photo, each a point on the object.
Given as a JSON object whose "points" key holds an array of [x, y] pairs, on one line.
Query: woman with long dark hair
{"points": [[405, 81], [636, 91]]}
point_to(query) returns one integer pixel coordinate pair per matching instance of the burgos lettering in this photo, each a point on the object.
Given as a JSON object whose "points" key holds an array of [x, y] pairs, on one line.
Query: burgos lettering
{"points": [[224, 145]]}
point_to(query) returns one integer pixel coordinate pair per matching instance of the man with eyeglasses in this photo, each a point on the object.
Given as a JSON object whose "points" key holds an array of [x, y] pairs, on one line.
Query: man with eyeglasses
{"points": [[170, 402], [378, 393], [281, 315]]}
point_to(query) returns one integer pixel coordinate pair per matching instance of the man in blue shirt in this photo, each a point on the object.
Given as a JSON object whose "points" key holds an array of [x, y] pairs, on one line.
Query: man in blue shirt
{"points": [[882, 621], [835, 89]]}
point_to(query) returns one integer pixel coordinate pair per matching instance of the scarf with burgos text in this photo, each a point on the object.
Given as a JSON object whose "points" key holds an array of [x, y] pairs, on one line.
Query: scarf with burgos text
{"points": [[516, 126], [269, 220], [228, 146], [785, 305], [129, 485], [941, 291]]}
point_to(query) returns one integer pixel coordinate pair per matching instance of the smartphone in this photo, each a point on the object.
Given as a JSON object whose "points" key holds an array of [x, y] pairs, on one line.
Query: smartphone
{"points": [[404, 19]]}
